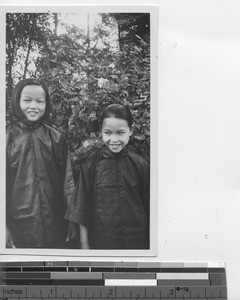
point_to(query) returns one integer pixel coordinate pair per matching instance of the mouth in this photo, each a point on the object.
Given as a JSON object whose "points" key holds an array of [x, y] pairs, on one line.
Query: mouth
{"points": [[115, 146], [32, 113]]}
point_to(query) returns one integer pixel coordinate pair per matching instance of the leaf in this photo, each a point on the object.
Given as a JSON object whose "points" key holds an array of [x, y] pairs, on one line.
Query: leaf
{"points": [[137, 48], [137, 125], [146, 115], [92, 135], [92, 117], [74, 99], [114, 76], [140, 137], [147, 132]]}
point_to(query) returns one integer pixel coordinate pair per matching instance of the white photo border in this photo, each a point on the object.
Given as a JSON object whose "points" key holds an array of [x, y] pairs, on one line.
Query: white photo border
{"points": [[153, 11]]}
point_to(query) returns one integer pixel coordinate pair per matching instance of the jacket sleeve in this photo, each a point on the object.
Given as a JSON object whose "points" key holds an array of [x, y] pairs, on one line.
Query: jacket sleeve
{"points": [[8, 180], [79, 206], [68, 182], [145, 184], [63, 162]]}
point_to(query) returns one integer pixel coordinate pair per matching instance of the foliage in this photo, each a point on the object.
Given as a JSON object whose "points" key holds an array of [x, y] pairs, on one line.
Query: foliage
{"points": [[132, 26], [83, 79], [25, 33]]}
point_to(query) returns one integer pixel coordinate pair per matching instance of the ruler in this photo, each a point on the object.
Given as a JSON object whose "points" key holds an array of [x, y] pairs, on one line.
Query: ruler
{"points": [[112, 280]]}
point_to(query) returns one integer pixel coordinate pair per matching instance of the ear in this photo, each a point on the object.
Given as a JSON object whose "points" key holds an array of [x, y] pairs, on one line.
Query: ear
{"points": [[131, 131]]}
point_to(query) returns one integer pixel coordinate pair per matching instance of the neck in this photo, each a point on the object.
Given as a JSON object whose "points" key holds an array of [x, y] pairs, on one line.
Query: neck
{"points": [[30, 123]]}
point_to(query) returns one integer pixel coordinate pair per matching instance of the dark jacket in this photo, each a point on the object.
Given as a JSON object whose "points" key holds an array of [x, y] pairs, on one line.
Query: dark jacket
{"points": [[112, 200], [39, 185]]}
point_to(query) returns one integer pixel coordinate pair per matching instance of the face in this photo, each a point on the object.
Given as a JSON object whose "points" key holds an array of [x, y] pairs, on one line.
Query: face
{"points": [[33, 102], [115, 133]]}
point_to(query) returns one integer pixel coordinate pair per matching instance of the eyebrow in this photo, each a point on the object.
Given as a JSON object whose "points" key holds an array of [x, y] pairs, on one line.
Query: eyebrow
{"points": [[29, 97], [120, 130]]}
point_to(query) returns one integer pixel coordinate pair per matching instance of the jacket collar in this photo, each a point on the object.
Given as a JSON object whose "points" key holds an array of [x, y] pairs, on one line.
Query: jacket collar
{"points": [[29, 125], [106, 153]]}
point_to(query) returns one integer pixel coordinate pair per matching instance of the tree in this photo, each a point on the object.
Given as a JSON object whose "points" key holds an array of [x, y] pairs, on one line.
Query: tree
{"points": [[132, 27], [84, 74], [24, 33]]}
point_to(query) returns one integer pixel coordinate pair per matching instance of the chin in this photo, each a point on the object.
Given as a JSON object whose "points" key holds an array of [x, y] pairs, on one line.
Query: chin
{"points": [[115, 151], [33, 120]]}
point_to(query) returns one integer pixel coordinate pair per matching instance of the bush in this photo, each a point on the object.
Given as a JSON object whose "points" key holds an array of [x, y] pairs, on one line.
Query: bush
{"points": [[83, 81]]}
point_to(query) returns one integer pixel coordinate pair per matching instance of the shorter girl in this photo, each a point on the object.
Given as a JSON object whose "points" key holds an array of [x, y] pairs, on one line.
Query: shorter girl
{"points": [[39, 174], [111, 199]]}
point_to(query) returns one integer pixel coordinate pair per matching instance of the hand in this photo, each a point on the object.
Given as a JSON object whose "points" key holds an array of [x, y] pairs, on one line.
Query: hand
{"points": [[72, 233], [84, 237], [84, 245], [9, 240]]}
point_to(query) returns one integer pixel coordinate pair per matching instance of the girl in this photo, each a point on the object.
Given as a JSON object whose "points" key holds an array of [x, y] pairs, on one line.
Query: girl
{"points": [[39, 174], [111, 199]]}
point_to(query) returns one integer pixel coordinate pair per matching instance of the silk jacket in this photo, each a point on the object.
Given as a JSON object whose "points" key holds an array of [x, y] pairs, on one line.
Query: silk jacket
{"points": [[39, 186], [111, 199]]}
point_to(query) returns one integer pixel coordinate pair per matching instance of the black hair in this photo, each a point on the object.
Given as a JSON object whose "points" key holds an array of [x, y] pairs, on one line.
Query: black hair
{"points": [[16, 95], [117, 111]]}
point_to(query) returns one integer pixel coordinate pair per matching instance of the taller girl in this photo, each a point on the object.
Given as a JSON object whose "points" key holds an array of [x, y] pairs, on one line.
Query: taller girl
{"points": [[39, 174], [111, 200]]}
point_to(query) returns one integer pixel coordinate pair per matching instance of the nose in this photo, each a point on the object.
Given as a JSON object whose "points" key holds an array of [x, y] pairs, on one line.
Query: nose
{"points": [[114, 138], [33, 105]]}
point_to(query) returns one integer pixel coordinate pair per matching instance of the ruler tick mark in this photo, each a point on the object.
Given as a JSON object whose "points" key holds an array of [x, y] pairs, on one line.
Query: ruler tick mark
{"points": [[173, 288]]}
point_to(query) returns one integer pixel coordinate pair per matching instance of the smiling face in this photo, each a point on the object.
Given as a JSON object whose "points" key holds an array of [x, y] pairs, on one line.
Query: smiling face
{"points": [[33, 102], [115, 133]]}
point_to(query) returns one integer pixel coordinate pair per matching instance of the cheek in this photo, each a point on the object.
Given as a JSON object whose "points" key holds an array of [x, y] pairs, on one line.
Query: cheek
{"points": [[21, 105], [104, 137], [43, 109], [127, 140], [127, 137]]}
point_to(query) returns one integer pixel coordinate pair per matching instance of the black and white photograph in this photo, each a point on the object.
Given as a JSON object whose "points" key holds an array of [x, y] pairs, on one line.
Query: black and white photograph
{"points": [[81, 110], [120, 148]]}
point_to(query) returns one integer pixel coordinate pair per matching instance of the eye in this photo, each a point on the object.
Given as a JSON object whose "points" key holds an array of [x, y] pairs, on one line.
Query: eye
{"points": [[107, 132]]}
